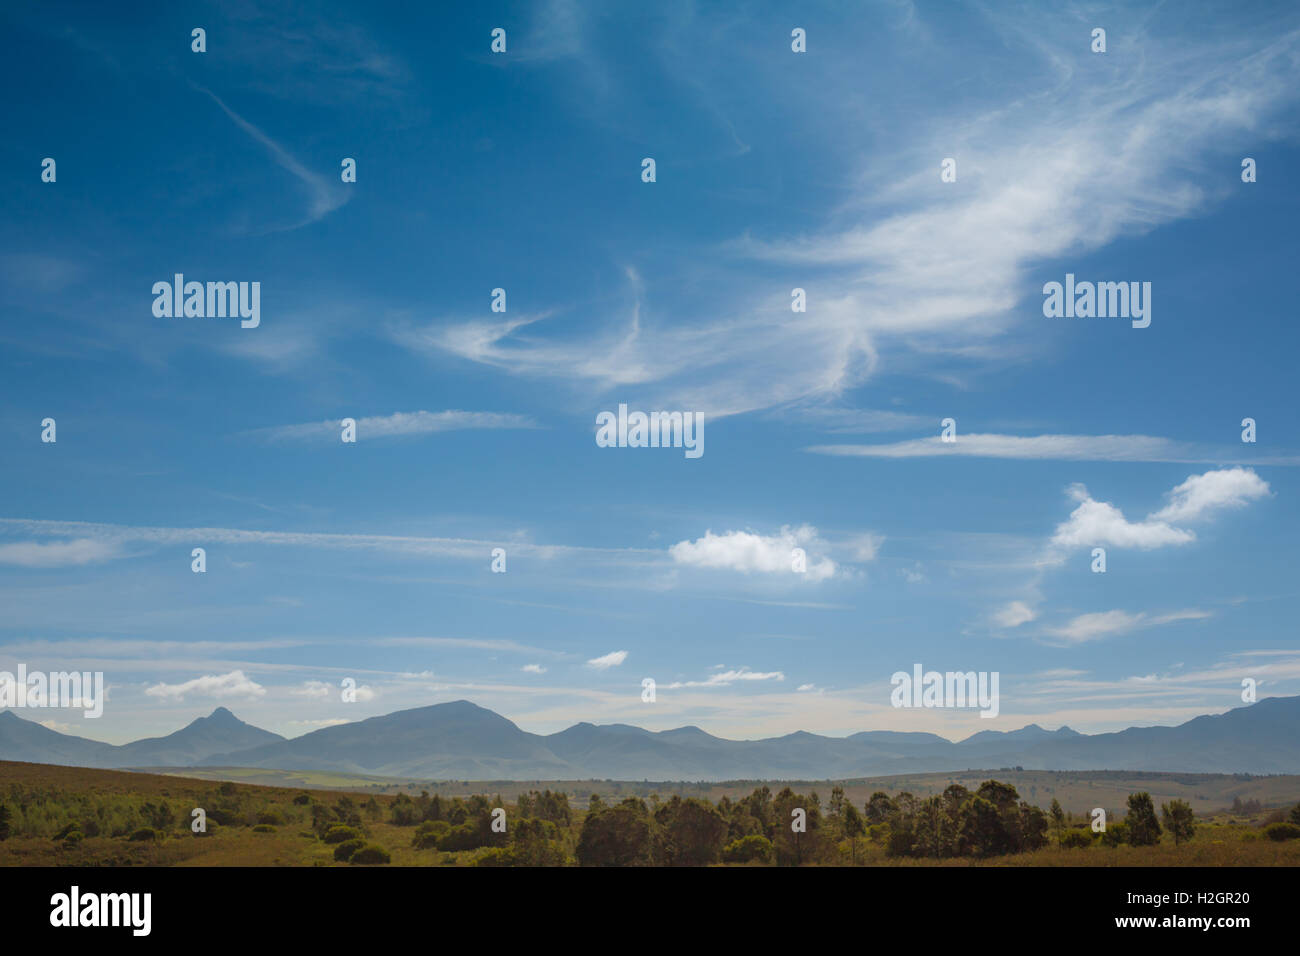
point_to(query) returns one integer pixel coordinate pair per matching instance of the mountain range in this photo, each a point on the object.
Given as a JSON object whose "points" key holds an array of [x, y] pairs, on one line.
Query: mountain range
{"points": [[462, 741]]}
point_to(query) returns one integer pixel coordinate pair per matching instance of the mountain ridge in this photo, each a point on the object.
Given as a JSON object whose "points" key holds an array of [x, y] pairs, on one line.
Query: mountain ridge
{"points": [[462, 740]]}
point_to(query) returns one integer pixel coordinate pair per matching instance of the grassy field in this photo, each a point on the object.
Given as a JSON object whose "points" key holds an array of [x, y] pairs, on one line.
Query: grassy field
{"points": [[272, 825]]}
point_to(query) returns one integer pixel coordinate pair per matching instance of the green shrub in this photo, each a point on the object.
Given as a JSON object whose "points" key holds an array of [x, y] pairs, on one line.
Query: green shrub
{"points": [[1282, 831], [212, 827], [1114, 835], [264, 828], [748, 849], [464, 837], [347, 849], [338, 833], [372, 853], [1076, 839], [302, 799], [65, 832], [496, 856], [271, 817], [225, 817], [429, 833], [144, 834]]}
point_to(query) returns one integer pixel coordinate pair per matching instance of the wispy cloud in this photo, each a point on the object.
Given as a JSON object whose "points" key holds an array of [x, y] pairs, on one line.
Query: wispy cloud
{"points": [[56, 554], [399, 424], [606, 661], [725, 678], [908, 265], [324, 195], [398, 544], [1045, 447], [1014, 614], [1103, 624]]}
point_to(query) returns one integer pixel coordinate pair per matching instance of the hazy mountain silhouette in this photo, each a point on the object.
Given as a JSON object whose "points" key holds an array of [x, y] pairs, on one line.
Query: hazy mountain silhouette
{"points": [[220, 731], [460, 740]]}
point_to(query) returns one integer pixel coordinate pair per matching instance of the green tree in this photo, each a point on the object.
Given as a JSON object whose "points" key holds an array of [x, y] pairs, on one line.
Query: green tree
{"points": [[1295, 815], [4, 822], [1058, 818], [618, 836], [1178, 819], [536, 843], [796, 847], [835, 809], [854, 827], [981, 827], [1143, 827], [929, 834], [753, 848], [879, 807], [691, 832]]}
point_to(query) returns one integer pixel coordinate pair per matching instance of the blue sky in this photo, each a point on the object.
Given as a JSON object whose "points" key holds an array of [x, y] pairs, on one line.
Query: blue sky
{"points": [[775, 170]]}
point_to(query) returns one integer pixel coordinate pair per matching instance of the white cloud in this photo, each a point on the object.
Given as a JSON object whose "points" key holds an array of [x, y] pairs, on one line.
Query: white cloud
{"points": [[400, 423], [1014, 614], [325, 195], [1098, 523], [56, 554], [726, 678], [312, 688], [865, 547], [1050, 167], [612, 659], [114, 535], [1032, 447], [748, 552], [364, 692], [914, 574], [1092, 627], [234, 684], [1201, 494], [534, 668]]}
